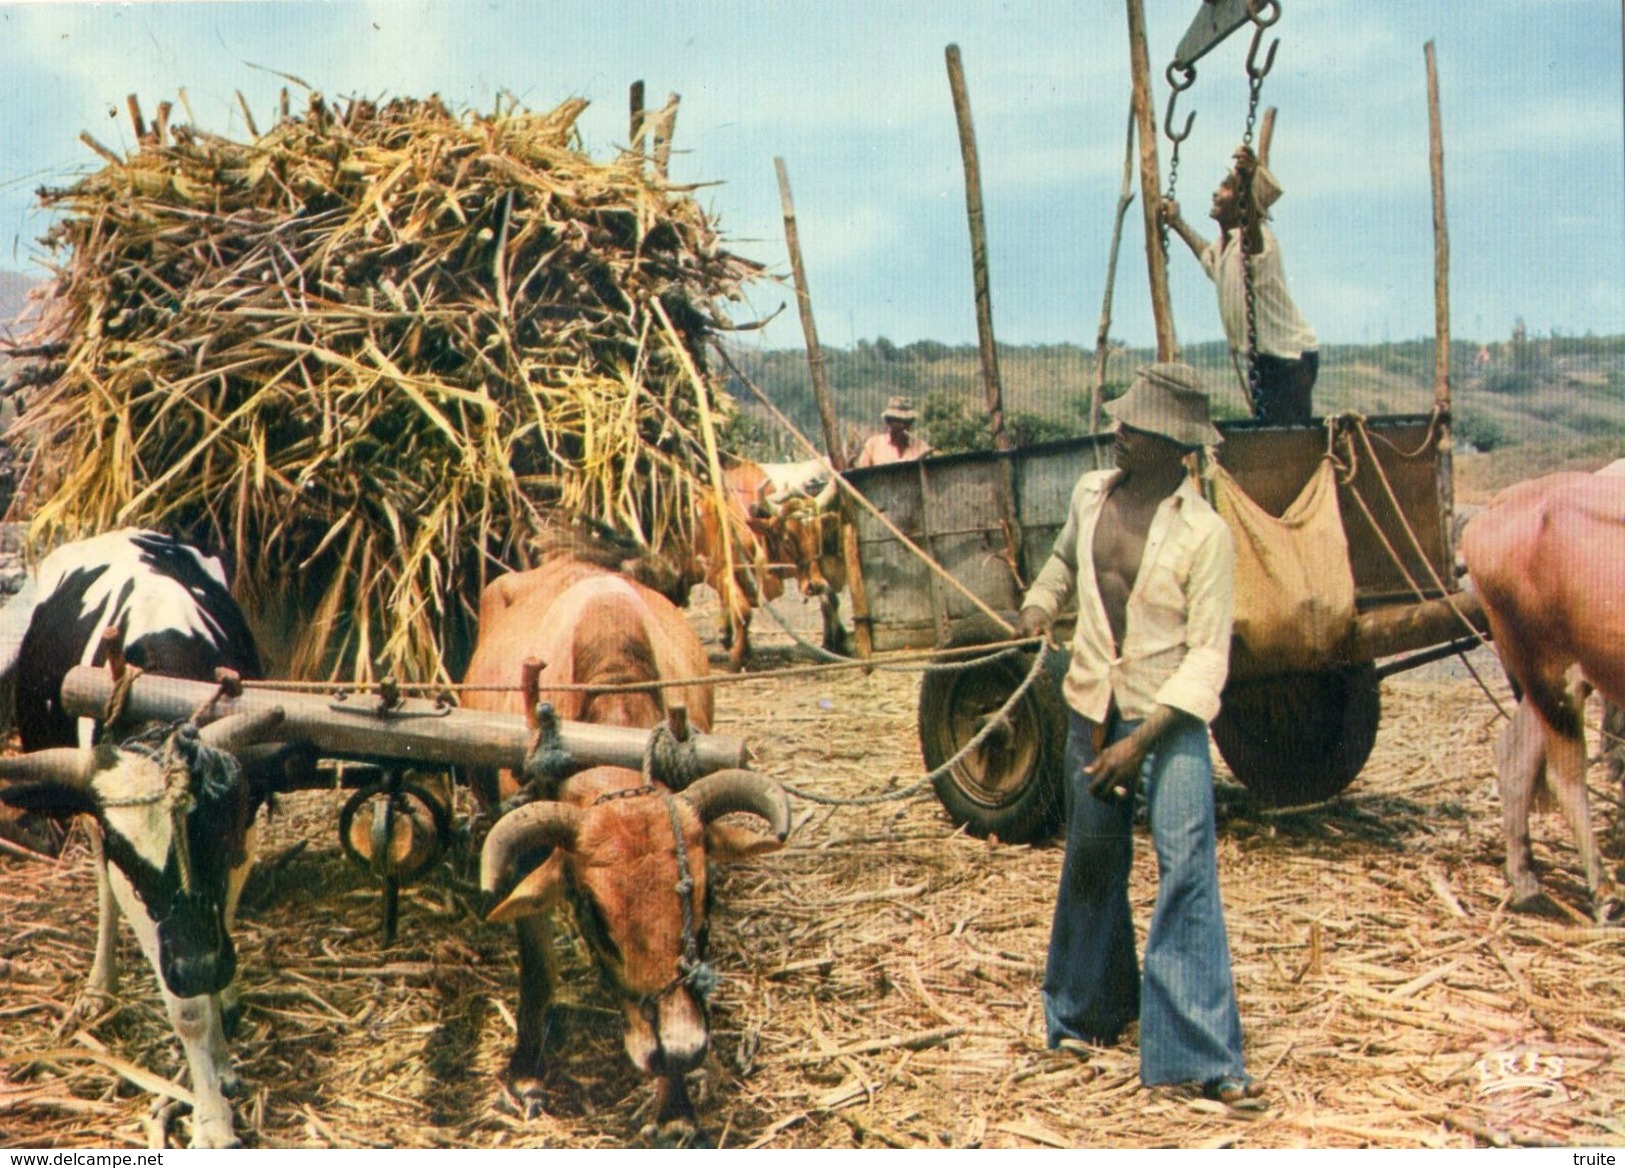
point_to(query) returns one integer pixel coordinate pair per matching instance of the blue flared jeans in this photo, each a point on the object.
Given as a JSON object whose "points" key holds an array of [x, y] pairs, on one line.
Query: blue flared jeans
{"points": [[1190, 1030]]}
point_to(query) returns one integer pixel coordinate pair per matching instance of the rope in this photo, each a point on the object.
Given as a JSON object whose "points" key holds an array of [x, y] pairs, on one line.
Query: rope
{"points": [[924, 660], [700, 976], [913, 790], [929, 667], [668, 760], [1357, 423], [120, 697]]}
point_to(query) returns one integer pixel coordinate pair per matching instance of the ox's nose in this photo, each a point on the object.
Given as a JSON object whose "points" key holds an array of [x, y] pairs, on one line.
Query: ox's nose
{"points": [[680, 1055], [680, 1035]]}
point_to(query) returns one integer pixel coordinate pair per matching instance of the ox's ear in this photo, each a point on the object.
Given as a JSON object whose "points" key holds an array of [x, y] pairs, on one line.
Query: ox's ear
{"points": [[726, 843], [535, 894]]}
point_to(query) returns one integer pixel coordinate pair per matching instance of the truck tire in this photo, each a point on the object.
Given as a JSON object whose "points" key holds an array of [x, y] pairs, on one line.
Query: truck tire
{"points": [[1011, 786]]}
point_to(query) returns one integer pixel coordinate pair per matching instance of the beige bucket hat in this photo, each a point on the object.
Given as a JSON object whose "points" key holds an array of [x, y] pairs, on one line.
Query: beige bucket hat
{"points": [[1167, 399], [901, 408]]}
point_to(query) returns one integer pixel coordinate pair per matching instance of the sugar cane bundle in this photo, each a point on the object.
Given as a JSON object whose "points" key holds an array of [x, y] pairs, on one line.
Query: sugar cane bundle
{"points": [[368, 355]]}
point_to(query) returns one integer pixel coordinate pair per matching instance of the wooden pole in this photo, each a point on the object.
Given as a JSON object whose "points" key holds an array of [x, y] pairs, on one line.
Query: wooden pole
{"points": [[862, 622], [978, 250], [1441, 296], [1266, 133], [416, 730], [635, 118], [809, 328], [1004, 482], [665, 129], [1441, 240], [1102, 336], [1162, 312]]}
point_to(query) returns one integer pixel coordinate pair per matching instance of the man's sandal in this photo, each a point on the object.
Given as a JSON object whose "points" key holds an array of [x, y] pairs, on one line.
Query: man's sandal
{"points": [[1235, 1091]]}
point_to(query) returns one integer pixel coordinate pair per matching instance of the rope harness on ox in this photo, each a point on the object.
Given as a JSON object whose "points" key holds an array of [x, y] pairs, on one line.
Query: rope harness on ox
{"points": [[693, 970]]}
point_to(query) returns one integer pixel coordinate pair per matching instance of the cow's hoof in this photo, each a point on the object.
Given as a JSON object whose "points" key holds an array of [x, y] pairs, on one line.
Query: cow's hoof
{"points": [[674, 1133], [89, 1006], [1527, 896], [530, 1097], [1610, 912]]}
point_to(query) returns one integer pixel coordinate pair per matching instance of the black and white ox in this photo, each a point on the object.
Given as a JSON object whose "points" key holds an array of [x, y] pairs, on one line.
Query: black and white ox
{"points": [[173, 809]]}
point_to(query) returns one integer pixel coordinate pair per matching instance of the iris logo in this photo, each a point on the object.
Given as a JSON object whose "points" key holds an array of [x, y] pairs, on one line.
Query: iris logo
{"points": [[1523, 1069]]}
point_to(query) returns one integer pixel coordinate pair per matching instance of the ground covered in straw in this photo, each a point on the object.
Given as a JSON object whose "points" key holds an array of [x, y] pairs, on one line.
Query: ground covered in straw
{"points": [[881, 975]]}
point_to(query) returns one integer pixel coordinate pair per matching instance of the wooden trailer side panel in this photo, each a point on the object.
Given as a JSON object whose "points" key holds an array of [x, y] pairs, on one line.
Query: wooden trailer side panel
{"points": [[948, 507]]}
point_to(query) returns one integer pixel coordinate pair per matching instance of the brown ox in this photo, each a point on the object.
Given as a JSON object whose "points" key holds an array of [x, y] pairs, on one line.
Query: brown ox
{"points": [[1547, 558], [782, 524], [630, 856]]}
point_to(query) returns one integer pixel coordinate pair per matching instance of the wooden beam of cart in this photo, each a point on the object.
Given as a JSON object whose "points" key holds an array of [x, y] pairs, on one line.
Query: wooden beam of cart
{"points": [[415, 732]]}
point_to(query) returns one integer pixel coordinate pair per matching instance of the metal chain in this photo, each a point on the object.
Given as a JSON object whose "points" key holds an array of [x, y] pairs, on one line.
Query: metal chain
{"points": [[1263, 15], [1180, 78]]}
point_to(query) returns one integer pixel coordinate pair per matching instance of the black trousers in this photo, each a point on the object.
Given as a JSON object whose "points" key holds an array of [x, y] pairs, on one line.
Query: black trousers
{"points": [[1281, 396]]}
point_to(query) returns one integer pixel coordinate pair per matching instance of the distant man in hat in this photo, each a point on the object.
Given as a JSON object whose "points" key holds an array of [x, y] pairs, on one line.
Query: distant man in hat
{"points": [[1149, 566], [1288, 352], [898, 442]]}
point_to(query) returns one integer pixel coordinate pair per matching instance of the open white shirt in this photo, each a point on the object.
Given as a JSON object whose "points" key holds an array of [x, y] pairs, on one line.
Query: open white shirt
{"points": [[1176, 640]]}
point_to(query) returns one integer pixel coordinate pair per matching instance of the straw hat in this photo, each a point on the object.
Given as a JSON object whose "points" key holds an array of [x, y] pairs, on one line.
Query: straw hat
{"points": [[1167, 399], [1265, 189], [901, 408]]}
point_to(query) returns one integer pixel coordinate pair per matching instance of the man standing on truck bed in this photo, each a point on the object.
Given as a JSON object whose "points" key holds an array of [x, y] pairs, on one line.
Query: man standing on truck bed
{"points": [[1151, 566], [1288, 358]]}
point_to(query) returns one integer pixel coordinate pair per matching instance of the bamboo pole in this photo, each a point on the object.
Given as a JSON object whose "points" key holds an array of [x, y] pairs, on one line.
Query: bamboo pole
{"points": [[809, 328], [1162, 312], [1102, 335], [978, 250], [1441, 296]]}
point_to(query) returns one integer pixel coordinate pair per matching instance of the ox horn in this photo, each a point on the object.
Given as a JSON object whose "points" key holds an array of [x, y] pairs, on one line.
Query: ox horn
{"points": [[525, 829], [738, 790], [66, 765], [236, 731]]}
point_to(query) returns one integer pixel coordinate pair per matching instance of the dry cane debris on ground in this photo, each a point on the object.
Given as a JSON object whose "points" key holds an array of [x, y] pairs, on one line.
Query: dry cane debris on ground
{"points": [[880, 976]]}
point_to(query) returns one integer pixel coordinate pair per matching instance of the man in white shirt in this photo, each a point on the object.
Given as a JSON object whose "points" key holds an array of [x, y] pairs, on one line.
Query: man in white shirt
{"points": [[1288, 352], [898, 442], [1151, 567]]}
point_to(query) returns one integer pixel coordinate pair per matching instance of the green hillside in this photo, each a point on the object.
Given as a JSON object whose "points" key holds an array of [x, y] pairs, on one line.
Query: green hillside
{"points": [[1531, 406]]}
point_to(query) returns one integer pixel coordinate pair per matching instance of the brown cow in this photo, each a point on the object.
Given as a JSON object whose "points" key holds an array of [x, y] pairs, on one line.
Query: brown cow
{"points": [[782, 525], [1547, 557], [629, 855]]}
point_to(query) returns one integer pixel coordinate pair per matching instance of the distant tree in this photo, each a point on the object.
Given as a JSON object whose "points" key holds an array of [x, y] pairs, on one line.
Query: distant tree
{"points": [[928, 351], [950, 427]]}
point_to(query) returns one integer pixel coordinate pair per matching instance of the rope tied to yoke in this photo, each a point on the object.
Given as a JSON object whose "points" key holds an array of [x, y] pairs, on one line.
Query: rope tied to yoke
{"points": [[999, 721]]}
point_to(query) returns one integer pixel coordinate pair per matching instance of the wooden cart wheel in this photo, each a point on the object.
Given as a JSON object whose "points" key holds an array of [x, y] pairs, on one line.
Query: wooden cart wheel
{"points": [[1301, 737], [1010, 786]]}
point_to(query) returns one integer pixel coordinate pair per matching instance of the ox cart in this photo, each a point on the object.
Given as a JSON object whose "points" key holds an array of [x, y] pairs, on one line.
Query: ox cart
{"points": [[1292, 735]]}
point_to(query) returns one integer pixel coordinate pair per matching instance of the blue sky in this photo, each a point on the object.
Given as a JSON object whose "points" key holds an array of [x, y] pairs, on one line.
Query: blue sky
{"points": [[854, 96]]}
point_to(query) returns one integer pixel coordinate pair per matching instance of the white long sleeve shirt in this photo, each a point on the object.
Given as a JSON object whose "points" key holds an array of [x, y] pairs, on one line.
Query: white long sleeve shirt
{"points": [[1282, 331], [1176, 640]]}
